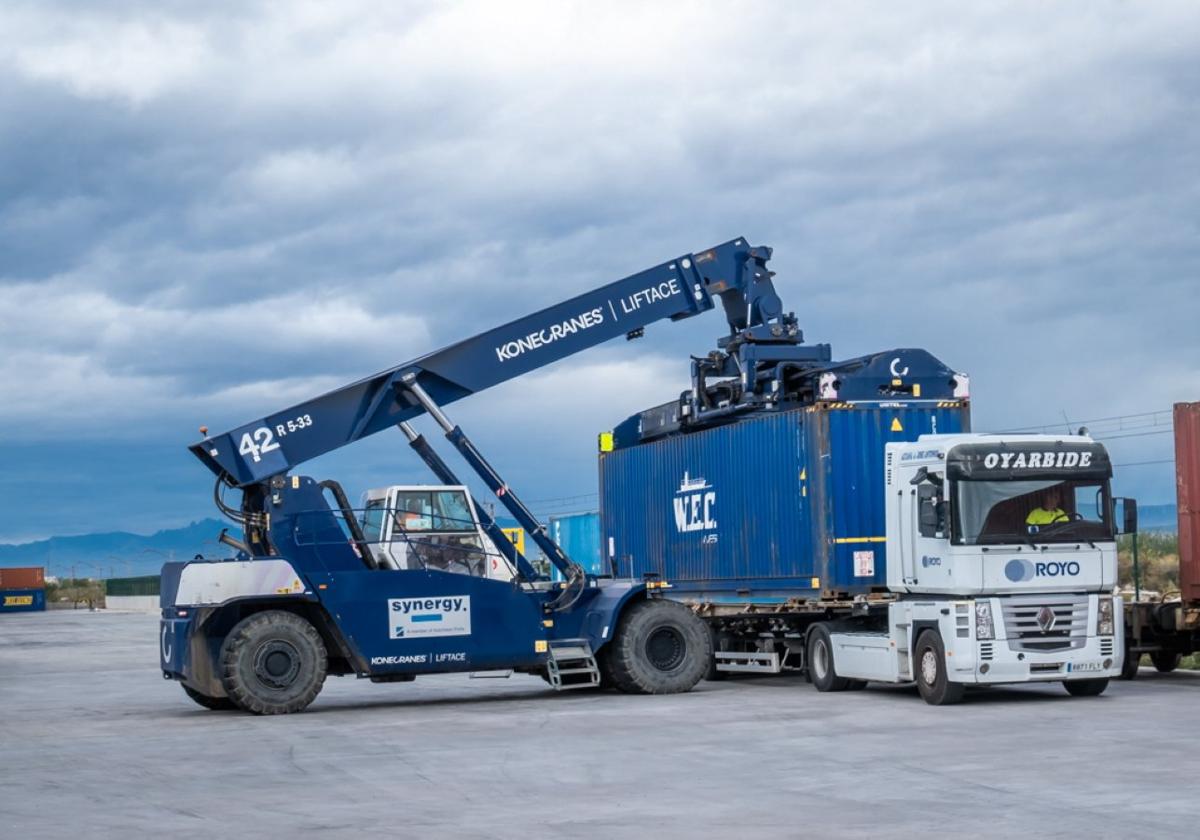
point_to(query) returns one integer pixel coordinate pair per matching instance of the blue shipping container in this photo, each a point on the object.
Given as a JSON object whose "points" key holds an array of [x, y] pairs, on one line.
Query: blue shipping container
{"points": [[778, 505], [22, 600], [578, 534]]}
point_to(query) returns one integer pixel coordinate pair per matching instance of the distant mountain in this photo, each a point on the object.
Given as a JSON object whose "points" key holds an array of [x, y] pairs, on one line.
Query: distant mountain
{"points": [[117, 553]]}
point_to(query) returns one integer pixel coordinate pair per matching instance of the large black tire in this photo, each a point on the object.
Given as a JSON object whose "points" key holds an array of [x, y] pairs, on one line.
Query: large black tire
{"points": [[1086, 688], [1166, 661], [273, 663], [821, 670], [1129, 666], [217, 704], [933, 678], [660, 647]]}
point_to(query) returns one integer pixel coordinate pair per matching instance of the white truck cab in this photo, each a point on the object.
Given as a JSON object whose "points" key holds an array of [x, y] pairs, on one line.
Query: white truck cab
{"points": [[431, 527], [1002, 558]]}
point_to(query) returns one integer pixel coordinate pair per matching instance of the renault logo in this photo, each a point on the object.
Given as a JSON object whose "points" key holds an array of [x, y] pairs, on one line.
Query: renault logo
{"points": [[1046, 619]]}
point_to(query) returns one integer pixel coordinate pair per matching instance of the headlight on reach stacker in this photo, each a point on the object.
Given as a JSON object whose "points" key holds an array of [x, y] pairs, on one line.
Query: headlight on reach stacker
{"points": [[1104, 617], [983, 620]]}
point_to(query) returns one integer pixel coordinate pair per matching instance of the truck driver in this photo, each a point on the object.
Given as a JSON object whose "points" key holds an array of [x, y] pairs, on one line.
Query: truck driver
{"points": [[1049, 511]]}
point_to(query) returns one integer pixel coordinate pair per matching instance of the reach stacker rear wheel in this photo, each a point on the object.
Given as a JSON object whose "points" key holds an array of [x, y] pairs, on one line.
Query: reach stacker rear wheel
{"points": [[660, 647], [273, 663]]}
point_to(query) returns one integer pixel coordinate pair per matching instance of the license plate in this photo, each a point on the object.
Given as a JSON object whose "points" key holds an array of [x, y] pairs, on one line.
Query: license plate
{"points": [[1075, 667]]}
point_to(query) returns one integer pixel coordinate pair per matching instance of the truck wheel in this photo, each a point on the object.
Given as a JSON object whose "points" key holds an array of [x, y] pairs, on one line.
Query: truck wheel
{"points": [[273, 663], [217, 704], [1166, 661], [821, 672], [1129, 665], [1086, 688], [933, 679], [660, 647]]}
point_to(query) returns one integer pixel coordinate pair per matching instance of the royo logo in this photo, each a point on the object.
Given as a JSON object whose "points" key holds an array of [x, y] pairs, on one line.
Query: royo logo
{"points": [[928, 561], [1018, 570]]}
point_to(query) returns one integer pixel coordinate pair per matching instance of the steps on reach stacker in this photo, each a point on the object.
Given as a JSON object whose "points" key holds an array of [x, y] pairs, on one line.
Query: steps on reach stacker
{"points": [[572, 665]]}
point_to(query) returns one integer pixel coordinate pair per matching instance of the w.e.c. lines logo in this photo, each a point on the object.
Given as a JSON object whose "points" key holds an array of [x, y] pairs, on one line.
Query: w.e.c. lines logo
{"points": [[695, 505]]}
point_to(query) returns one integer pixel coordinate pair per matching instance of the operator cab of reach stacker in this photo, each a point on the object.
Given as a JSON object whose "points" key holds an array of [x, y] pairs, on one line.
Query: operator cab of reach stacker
{"points": [[430, 527]]}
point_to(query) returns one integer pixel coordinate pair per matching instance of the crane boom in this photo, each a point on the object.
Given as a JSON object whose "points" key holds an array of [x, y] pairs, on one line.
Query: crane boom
{"points": [[680, 288]]}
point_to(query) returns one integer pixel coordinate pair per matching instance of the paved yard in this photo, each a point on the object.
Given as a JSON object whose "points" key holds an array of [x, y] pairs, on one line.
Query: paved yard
{"points": [[96, 744]]}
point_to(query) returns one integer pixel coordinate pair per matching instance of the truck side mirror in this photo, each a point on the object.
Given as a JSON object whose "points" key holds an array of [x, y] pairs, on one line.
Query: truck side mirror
{"points": [[1129, 515]]}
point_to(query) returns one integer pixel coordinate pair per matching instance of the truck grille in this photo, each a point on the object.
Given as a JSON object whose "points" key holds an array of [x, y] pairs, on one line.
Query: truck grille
{"points": [[1026, 619]]}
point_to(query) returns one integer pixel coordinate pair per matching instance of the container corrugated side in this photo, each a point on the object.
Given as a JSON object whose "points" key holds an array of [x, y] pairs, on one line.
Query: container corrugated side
{"points": [[22, 600], [851, 443], [769, 508], [1187, 495], [23, 577], [578, 534]]}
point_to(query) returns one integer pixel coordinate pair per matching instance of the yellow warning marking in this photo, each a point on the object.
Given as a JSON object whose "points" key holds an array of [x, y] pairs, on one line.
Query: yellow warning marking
{"points": [[606, 442], [896, 383], [804, 474], [844, 540], [547, 623], [804, 491], [916, 389], [896, 427], [540, 646], [815, 583]]}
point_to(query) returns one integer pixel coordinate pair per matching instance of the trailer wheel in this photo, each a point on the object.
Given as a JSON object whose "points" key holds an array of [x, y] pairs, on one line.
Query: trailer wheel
{"points": [[1086, 688], [821, 672], [217, 704], [273, 663], [1165, 661], [933, 679], [660, 647]]}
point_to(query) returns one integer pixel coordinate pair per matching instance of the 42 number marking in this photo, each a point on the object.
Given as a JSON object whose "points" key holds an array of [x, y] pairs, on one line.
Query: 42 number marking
{"points": [[262, 440]]}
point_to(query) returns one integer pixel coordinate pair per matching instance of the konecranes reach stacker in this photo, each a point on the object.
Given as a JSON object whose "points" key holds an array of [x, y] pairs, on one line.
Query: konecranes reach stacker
{"points": [[709, 526]]}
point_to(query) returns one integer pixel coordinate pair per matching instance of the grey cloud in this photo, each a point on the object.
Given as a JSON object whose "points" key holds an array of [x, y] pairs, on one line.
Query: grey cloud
{"points": [[205, 211]]}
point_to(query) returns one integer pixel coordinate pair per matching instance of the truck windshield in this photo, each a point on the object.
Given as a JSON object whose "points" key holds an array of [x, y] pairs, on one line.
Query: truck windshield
{"points": [[1042, 511], [438, 510]]}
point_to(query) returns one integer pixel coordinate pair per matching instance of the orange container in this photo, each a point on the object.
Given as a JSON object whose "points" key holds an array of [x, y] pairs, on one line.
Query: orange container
{"points": [[23, 577]]}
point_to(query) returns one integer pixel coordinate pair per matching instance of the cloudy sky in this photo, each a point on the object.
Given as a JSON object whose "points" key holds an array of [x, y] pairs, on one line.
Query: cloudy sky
{"points": [[209, 211]]}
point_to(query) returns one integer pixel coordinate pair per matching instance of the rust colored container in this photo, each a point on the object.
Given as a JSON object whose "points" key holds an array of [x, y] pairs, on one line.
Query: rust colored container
{"points": [[1187, 491], [23, 577]]}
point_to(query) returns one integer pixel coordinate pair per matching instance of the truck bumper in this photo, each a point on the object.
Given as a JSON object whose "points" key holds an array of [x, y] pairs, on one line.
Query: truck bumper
{"points": [[995, 662]]}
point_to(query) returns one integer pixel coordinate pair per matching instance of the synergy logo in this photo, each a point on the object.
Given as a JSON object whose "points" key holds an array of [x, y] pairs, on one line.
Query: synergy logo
{"points": [[1018, 570], [694, 503], [423, 618]]}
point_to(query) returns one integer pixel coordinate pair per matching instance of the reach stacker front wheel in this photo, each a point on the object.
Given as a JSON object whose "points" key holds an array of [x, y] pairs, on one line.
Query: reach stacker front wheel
{"points": [[660, 647], [273, 663]]}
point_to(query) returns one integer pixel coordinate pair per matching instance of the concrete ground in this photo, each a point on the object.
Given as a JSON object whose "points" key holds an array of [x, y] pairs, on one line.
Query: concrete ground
{"points": [[94, 743]]}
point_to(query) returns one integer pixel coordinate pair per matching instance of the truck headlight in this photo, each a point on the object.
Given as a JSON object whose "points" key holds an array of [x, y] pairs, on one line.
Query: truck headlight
{"points": [[1104, 617], [983, 620]]}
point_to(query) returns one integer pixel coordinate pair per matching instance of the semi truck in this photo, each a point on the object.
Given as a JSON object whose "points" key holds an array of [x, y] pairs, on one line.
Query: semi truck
{"points": [[1167, 628], [856, 529]]}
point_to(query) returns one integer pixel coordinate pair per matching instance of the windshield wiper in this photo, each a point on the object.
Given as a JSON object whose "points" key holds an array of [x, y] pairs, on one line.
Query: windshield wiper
{"points": [[1025, 538], [1061, 527]]}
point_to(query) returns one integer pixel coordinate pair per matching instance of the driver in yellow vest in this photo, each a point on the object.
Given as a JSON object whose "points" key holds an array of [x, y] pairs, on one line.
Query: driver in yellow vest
{"points": [[1049, 511]]}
